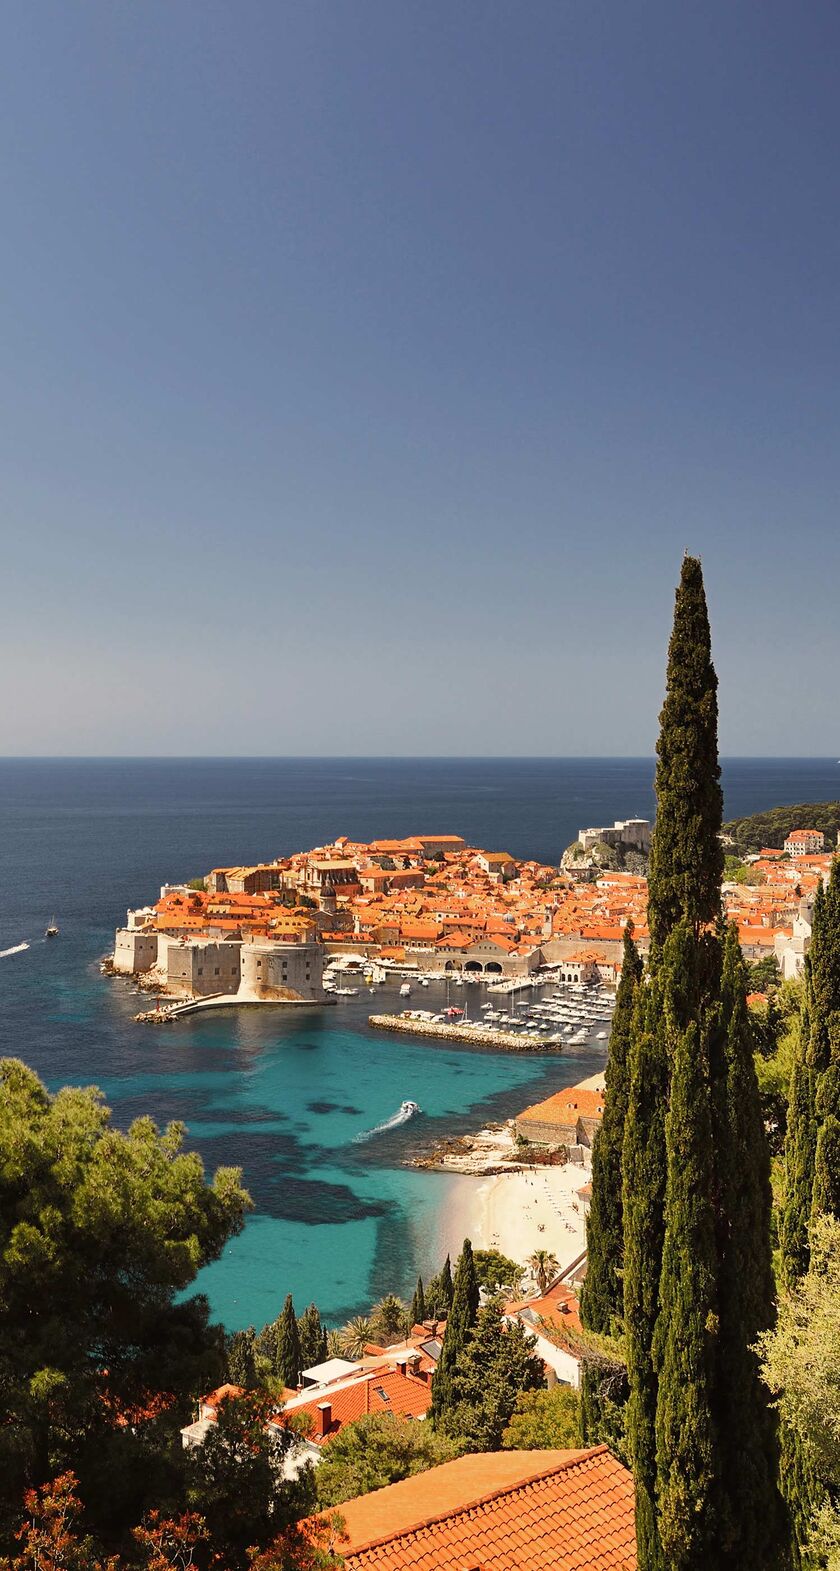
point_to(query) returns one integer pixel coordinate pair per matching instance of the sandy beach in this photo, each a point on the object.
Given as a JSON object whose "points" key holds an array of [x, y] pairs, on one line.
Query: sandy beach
{"points": [[519, 1212]]}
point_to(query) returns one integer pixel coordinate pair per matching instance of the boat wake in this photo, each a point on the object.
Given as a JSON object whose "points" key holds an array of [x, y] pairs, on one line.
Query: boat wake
{"points": [[406, 1111], [16, 949]]}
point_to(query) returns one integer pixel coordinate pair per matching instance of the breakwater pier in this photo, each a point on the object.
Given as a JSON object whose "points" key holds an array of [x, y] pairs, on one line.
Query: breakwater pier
{"points": [[482, 1037]]}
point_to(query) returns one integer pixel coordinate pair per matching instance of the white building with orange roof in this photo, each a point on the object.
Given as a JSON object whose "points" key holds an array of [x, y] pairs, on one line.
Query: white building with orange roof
{"points": [[804, 842], [547, 1317]]}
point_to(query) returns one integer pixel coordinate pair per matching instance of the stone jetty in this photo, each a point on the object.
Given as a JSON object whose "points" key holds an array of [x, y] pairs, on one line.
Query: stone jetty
{"points": [[479, 1036]]}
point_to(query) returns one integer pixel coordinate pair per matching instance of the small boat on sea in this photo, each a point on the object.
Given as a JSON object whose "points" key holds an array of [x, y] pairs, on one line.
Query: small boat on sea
{"points": [[405, 990], [51, 930]]}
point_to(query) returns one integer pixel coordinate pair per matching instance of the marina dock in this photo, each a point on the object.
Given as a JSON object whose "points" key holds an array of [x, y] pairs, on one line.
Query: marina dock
{"points": [[509, 1040]]}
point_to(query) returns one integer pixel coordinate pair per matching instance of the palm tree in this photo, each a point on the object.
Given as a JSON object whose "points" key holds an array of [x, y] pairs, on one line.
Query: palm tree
{"points": [[355, 1336], [544, 1266], [390, 1319]]}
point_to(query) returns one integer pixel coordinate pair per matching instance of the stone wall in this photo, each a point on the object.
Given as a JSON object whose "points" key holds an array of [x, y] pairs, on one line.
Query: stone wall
{"points": [[134, 950], [198, 969], [283, 970]]}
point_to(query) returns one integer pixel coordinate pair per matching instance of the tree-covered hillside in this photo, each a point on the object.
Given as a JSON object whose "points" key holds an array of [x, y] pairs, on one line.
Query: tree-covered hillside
{"points": [[773, 827]]}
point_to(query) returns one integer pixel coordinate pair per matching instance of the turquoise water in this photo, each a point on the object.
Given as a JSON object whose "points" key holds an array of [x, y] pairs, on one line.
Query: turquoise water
{"points": [[295, 1101], [284, 1098]]}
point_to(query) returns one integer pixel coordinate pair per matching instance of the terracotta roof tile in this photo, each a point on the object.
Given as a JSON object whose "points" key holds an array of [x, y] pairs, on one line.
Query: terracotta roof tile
{"points": [[380, 1390], [506, 1511], [569, 1105]]}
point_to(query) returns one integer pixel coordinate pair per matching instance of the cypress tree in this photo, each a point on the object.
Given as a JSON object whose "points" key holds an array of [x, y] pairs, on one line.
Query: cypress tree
{"points": [[643, 1200], [602, 1298], [812, 1144], [753, 1524], [459, 1323], [439, 1296], [240, 1349], [288, 1363], [686, 868], [686, 856], [684, 1347], [825, 1046], [812, 1153], [313, 1338], [800, 1151], [695, 1195], [418, 1304]]}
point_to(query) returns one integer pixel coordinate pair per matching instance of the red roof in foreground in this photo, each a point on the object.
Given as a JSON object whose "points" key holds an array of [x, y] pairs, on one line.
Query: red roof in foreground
{"points": [[502, 1511]]}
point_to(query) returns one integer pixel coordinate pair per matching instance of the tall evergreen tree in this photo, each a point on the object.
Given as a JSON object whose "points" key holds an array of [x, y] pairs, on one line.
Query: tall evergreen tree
{"points": [[459, 1324], [495, 1367], [812, 1152], [240, 1354], [313, 1338], [602, 1298], [684, 1346], [439, 1294], [697, 1284], [686, 856], [753, 1525], [686, 867], [288, 1363], [643, 1199], [812, 1145], [418, 1304], [800, 1152]]}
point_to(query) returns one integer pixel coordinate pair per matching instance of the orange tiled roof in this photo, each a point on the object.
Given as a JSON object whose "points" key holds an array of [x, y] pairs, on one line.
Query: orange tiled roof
{"points": [[381, 1390], [499, 1511], [557, 1302], [567, 1106]]}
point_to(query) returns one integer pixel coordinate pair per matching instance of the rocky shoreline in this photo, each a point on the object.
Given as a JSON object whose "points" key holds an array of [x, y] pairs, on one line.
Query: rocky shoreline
{"points": [[491, 1151]]}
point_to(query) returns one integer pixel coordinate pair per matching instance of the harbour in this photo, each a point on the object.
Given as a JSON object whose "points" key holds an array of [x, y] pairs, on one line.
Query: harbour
{"points": [[468, 1032]]}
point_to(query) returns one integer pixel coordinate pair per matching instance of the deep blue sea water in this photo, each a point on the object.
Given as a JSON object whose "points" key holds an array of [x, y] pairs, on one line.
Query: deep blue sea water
{"points": [[335, 1220]]}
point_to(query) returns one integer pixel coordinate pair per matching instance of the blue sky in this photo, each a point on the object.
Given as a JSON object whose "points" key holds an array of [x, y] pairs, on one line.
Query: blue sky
{"points": [[367, 368]]}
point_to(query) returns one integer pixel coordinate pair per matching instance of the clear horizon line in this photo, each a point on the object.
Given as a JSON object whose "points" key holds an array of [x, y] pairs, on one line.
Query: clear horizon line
{"points": [[92, 758]]}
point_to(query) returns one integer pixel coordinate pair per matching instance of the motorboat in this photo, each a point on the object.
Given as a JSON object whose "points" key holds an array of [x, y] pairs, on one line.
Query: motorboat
{"points": [[51, 930]]}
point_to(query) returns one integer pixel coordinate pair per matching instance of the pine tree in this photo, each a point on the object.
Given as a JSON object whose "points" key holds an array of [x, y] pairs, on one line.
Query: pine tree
{"points": [[686, 857], [288, 1363], [313, 1338], [418, 1304], [602, 1298], [459, 1324]]}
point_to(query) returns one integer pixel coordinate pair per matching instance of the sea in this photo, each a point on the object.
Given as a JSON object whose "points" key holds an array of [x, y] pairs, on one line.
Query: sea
{"points": [[304, 1103]]}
